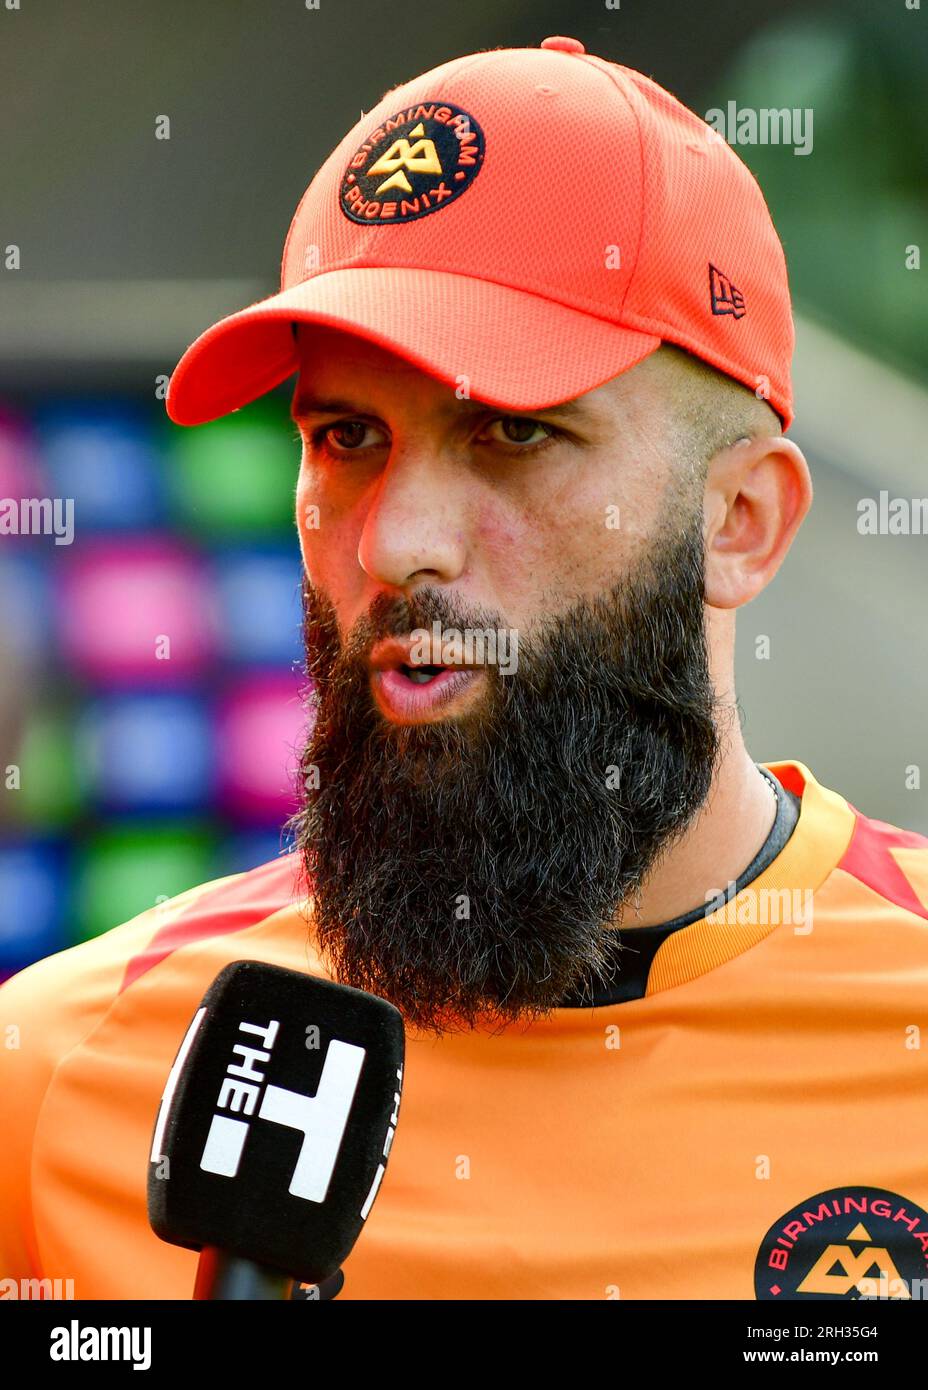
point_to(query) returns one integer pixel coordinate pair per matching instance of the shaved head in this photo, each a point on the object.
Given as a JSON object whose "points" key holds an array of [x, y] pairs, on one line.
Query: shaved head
{"points": [[708, 410]]}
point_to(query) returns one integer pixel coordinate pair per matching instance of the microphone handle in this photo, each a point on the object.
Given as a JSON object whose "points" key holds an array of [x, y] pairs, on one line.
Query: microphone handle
{"points": [[225, 1277]]}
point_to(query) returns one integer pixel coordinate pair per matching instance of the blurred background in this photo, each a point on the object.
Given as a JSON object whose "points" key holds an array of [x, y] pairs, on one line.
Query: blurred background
{"points": [[128, 779]]}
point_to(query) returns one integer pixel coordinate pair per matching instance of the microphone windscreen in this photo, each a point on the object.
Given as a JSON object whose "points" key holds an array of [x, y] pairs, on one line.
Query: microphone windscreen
{"points": [[276, 1121]]}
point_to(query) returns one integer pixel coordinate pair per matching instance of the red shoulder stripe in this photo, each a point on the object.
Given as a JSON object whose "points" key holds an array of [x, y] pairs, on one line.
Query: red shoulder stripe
{"points": [[867, 857], [232, 907]]}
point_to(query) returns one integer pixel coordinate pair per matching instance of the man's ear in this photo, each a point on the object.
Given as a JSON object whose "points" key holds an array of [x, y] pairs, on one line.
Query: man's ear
{"points": [[758, 492]]}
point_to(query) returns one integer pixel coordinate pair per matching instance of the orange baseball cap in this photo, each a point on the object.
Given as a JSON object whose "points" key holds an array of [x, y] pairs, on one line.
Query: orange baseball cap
{"points": [[526, 224]]}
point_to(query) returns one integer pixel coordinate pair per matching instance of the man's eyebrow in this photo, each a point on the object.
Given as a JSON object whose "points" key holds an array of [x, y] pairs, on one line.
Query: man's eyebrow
{"points": [[305, 403]]}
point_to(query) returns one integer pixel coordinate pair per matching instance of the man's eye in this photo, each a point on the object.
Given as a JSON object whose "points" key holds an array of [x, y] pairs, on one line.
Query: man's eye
{"points": [[517, 429], [339, 438], [345, 436]]}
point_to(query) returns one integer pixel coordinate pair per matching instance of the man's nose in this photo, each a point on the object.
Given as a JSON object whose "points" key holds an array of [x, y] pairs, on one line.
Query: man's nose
{"points": [[415, 521]]}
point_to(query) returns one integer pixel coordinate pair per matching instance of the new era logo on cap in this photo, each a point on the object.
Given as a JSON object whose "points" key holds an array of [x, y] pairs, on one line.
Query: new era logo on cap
{"points": [[726, 299]]}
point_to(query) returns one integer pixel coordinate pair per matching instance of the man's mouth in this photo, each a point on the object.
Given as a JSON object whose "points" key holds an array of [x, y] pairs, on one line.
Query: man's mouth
{"points": [[409, 691], [420, 675]]}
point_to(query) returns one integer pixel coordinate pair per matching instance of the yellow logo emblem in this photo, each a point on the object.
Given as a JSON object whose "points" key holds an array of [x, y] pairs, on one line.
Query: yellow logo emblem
{"points": [[837, 1270], [420, 158]]}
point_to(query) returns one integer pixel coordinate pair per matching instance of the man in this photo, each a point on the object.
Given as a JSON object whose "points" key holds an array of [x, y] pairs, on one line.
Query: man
{"points": [[662, 1002]]}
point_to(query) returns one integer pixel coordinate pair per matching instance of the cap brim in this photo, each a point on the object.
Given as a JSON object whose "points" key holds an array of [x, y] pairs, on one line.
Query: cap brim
{"points": [[507, 347]]}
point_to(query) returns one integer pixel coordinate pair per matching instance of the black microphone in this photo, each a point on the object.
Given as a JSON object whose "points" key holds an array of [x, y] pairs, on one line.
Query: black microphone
{"points": [[274, 1131]]}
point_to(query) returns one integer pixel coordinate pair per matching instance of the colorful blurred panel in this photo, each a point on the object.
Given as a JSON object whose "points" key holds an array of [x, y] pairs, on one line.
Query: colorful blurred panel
{"points": [[49, 792], [21, 472], [258, 591], [148, 752], [261, 728], [126, 869], [136, 612], [26, 604], [250, 848], [103, 456], [150, 662], [34, 901], [236, 476]]}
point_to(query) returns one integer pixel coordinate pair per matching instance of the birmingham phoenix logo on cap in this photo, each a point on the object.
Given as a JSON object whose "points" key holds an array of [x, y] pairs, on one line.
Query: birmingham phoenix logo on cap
{"points": [[416, 162]]}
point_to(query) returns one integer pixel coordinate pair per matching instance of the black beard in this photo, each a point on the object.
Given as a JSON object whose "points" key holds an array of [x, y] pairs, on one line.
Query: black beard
{"points": [[475, 866]]}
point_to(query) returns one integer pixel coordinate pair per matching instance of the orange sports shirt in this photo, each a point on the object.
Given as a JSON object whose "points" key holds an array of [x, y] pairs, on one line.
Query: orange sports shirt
{"points": [[755, 1125]]}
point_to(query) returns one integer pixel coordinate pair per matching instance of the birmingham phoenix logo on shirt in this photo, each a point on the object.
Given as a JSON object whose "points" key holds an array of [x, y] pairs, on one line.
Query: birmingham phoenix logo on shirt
{"points": [[846, 1243]]}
